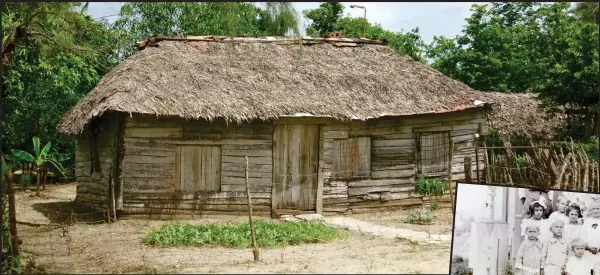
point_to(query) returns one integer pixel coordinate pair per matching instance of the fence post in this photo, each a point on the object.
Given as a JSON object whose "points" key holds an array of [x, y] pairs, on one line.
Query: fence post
{"points": [[252, 232], [468, 169], [477, 161], [450, 172], [12, 216]]}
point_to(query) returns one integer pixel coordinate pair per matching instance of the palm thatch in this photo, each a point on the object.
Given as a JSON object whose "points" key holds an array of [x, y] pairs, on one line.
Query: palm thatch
{"points": [[265, 78], [523, 116]]}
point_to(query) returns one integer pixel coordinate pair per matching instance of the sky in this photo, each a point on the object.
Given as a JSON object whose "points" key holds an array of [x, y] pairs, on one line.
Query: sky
{"points": [[432, 19]]}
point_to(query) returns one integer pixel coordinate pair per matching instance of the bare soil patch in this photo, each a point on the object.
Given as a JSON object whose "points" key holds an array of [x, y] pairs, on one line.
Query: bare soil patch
{"points": [[443, 224], [71, 242]]}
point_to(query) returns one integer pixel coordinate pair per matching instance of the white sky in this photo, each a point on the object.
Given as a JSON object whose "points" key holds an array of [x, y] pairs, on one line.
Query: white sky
{"points": [[433, 19]]}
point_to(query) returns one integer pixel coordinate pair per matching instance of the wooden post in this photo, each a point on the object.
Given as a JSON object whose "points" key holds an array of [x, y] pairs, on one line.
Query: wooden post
{"points": [[320, 181], [12, 216], [113, 199], [252, 232], [450, 173], [477, 161], [468, 170]]}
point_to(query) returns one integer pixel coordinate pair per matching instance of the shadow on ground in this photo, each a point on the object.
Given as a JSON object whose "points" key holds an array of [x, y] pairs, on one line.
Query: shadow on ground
{"points": [[68, 212]]}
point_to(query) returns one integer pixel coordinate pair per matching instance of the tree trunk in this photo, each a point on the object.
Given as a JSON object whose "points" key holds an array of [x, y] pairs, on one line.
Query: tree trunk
{"points": [[37, 185]]}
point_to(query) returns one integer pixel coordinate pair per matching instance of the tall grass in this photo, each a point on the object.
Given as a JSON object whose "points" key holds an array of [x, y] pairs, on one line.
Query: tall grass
{"points": [[237, 235]]}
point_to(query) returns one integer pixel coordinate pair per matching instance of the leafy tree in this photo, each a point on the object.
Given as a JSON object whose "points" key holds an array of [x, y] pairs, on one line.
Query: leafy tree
{"points": [[406, 43], [587, 12], [324, 18], [53, 55], [40, 158], [526, 47], [141, 20]]}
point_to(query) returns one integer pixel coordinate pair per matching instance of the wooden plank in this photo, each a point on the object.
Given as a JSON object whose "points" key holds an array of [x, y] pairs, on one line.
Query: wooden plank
{"points": [[362, 161], [241, 181], [198, 141], [251, 174], [131, 146], [172, 132], [381, 174], [251, 160], [150, 173], [393, 150], [250, 153], [405, 143], [432, 129], [238, 167], [148, 159], [196, 195], [247, 147], [335, 134], [382, 182], [358, 191], [240, 188], [150, 153]]}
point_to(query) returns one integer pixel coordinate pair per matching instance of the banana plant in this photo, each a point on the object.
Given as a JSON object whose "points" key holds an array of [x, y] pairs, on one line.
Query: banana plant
{"points": [[39, 158]]}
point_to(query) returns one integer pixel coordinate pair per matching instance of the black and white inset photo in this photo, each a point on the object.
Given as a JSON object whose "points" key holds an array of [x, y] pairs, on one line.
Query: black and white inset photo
{"points": [[501, 230]]}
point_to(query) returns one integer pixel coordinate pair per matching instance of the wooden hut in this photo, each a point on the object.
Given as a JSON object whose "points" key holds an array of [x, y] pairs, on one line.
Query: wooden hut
{"points": [[328, 125]]}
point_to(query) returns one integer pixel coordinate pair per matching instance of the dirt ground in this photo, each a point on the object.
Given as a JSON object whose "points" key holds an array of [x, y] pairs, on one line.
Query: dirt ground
{"points": [[92, 246], [442, 225]]}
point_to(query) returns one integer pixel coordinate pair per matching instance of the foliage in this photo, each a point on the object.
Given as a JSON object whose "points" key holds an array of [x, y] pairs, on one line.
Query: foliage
{"points": [[587, 11], [40, 158], [324, 18], [328, 18], [141, 20], [433, 188], [526, 47], [54, 54], [591, 148], [268, 234], [421, 216], [405, 43], [9, 264]]}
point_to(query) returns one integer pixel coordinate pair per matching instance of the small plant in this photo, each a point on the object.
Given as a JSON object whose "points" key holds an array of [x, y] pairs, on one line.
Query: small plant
{"points": [[433, 188], [40, 158], [237, 235], [25, 180]]}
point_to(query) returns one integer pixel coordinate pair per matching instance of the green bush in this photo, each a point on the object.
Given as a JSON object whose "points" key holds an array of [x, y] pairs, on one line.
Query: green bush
{"points": [[237, 235]]}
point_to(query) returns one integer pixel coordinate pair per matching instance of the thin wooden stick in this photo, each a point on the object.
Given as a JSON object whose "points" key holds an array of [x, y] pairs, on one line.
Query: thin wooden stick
{"points": [[255, 250], [12, 215], [450, 173]]}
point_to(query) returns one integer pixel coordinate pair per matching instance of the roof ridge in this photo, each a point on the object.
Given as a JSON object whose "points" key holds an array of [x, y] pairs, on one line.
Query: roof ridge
{"points": [[338, 41]]}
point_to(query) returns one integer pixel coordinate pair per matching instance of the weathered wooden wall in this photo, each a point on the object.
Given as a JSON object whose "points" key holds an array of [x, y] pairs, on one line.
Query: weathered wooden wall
{"points": [[393, 159], [93, 188], [375, 169], [152, 159]]}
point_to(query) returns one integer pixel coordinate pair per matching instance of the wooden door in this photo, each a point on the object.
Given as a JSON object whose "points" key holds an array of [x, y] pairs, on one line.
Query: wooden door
{"points": [[295, 167]]}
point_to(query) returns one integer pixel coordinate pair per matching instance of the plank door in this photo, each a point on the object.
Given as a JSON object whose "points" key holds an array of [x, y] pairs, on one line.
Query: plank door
{"points": [[295, 167]]}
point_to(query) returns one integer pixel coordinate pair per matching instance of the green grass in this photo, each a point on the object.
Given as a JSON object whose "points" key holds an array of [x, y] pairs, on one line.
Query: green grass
{"points": [[269, 234]]}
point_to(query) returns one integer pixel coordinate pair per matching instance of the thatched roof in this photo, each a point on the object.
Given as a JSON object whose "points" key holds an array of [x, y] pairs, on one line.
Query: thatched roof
{"points": [[265, 78], [523, 116]]}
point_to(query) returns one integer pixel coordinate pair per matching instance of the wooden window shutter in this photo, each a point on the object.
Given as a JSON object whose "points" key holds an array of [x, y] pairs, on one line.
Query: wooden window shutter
{"points": [[200, 168], [352, 158], [434, 153]]}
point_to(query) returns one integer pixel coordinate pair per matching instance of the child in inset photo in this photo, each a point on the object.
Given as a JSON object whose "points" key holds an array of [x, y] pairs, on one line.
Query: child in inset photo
{"points": [[561, 210], [573, 227], [556, 250], [537, 212], [591, 231], [578, 263], [529, 256]]}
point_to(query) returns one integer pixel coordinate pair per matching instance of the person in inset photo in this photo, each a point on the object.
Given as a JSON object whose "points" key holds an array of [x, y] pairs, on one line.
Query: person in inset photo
{"points": [[529, 256], [573, 227], [537, 209], [561, 210], [556, 250], [577, 262], [540, 196], [591, 232]]}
